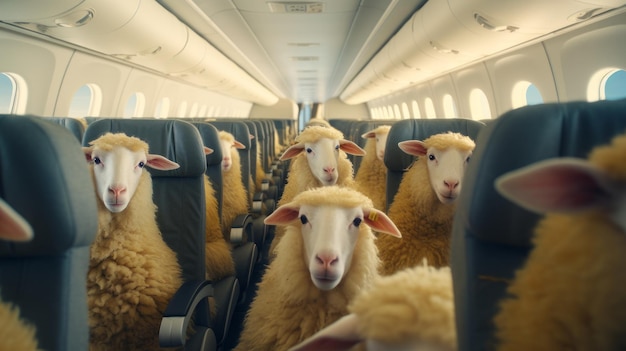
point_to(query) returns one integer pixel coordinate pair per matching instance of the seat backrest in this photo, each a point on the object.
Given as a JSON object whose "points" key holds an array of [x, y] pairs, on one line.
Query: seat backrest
{"points": [[242, 134], [210, 139], [492, 236], [397, 161], [44, 177], [178, 194], [72, 124]]}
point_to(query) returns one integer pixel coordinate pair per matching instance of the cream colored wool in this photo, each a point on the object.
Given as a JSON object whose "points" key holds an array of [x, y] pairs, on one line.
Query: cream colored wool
{"points": [[133, 274], [15, 333], [425, 223], [288, 307], [218, 258], [260, 173], [300, 177], [570, 294], [235, 200], [371, 179]]}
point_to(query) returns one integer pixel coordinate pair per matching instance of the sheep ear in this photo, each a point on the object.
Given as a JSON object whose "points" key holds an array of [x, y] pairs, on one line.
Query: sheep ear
{"points": [[413, 147], [208, 150], [368, 135], [292, 151], [13, 226], [351, 148], [239, 145], [161, 163], [88, 150], [341, 335], [283, 215], [564, 185], [379, 221]]}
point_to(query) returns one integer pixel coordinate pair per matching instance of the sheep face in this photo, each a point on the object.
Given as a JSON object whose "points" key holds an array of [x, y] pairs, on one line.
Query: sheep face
{"points": [[118, 169], [380, 134], [228, 145], [446, 167]]}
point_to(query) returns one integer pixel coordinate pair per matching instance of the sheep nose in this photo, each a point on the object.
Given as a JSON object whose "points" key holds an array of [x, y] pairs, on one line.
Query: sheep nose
{"points": [[451, 184], [227, 159], [329, 170], [326, 260], [117, 190]]}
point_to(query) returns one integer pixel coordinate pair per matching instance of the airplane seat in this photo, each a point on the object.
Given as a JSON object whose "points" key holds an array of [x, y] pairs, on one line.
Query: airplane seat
{"points": [[72, 124], [359, 129], [179, 197], [264, 199], [397, 161], [491, 236], [45, 179]]}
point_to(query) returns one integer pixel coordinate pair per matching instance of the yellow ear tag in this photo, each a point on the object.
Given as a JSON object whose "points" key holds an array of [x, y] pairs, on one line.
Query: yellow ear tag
{"points": [[372, 216]]}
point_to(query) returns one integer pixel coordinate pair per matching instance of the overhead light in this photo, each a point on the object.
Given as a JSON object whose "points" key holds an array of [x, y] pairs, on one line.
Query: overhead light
{"points": [[442, 49], [305, 58], [75, 19], [296, 7], [303, 44]]}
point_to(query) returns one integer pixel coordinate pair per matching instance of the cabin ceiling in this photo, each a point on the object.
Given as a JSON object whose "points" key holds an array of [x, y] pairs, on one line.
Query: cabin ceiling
{"points": [[304, 51]]}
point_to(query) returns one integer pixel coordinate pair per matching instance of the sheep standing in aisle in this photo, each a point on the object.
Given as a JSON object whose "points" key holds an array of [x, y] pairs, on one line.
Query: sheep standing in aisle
{"points": [[319, 159], [570, 294], [236, 199], [133, 273], [423, 208], [413, 309], [325, 259], [371, 179], [15, 334]]}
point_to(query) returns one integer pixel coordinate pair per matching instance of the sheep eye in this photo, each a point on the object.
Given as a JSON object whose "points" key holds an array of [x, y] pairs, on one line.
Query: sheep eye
{"points": [[467, 159], [431, 157], [357, 221], [97, 160], [141, 164], [309, 150], [303, 219], [336, 147]]}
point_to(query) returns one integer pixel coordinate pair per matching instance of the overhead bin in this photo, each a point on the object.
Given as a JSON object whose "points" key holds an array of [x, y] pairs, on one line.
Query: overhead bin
{"points": [[446, 34], [138, 31]]}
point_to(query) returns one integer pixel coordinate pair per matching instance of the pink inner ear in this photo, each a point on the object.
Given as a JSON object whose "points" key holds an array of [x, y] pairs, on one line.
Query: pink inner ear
{"points": [[292, 151], [413, 147], [161, 163], [351, 148], [282, 215], [368, 135], [379, 221], [239, 145]]}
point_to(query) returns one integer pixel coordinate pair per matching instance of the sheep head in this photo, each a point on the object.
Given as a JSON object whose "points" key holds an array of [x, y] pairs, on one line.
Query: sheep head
{"points": [[227, 144], [446, 156], [13, 226], [118, 164], [380, 134], [322, 145], [330, 220]]}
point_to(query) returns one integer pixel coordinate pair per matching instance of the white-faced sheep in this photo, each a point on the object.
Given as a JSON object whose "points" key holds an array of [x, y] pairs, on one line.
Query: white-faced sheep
{"points": [[424, 205], [413, 309], [133, 273], [236, 199], [319, 159], [325, 259], [371, 179], [570, 294], [15, 334]]}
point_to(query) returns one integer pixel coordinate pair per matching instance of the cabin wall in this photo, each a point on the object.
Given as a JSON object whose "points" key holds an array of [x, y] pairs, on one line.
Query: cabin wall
{"points": [[283, 109], [335, 108]]}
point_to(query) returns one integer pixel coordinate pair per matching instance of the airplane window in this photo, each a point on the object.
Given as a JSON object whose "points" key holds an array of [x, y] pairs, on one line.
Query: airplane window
{"points": [[388, 113], [479, 105], [449, 108], [396, 112], [416, 110], [13, 92], [194, 110], [135, 106], [405, 111], [87, 101], [162, 109], [182, 110], [203, 110], [525, 93], [613, 85], [430, 108]]}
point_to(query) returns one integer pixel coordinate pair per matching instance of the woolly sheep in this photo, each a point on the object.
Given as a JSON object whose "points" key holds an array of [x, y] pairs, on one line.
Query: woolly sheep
{"points": [[570, 294], [324, 163], [133, 274], [424, 205], [325, 258], [412, 309], [320, 122], [15, 334], [371, 179], [236, 199]]}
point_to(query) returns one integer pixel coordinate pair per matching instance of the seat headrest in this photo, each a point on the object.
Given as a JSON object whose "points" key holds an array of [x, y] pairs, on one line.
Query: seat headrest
{"points": [[521, 137], [44, 177], [72, 124], [238, 129], [177, 140], [210, 139], [420, 129]]}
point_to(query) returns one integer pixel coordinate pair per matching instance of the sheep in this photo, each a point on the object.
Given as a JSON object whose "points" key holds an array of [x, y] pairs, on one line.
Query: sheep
{"points": [[371, 178], [424, 213], [325, 163], [15, 334], [318, 122], [133, 273], [325, 258], [236, 199], [570, 293], [413, 309]]}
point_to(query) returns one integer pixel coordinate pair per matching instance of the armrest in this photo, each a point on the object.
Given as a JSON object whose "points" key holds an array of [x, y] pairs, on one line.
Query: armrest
{"points": [[180, 310], [241, 229], [257, 202]]}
